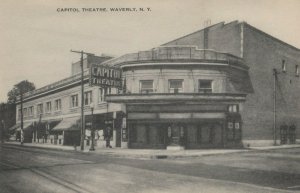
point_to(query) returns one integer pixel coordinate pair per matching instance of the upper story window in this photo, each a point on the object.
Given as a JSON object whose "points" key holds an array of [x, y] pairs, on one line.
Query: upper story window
{"points": [[25, 112], [175, 86], [233, 108], [102, 92], [88, 98], [30, 111], [39, 109], [205, 86], [19, 114], [283, 66], [74, 101], [57, 104], [101, 95], [48, 107], [146, 86], [297, 70]]}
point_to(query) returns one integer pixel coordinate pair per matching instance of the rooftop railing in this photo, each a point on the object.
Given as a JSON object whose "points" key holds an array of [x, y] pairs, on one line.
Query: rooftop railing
{"points": [[174, 53], [55, 85]]}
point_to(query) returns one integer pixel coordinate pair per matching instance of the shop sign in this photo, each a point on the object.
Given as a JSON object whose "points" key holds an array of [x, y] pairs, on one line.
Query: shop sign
{"points": [[105, 76]]}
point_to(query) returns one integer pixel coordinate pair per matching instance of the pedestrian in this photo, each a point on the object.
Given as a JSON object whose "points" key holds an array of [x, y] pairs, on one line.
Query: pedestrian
{"points": [[107, 136]]}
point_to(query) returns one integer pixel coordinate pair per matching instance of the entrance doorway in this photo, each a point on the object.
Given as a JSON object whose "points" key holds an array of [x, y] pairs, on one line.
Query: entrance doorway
{"points": [[176, 134]]}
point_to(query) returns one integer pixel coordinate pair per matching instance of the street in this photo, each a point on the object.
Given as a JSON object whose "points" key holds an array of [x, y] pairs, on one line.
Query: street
{"points": [[29, 170]]}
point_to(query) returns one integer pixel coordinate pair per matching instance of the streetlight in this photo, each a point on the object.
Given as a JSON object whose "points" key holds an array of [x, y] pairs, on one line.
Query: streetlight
{"points": [[92, 128]]}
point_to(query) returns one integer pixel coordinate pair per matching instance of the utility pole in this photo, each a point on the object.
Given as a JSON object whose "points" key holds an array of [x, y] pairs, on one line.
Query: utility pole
{"points": [[21, 100], [82, 98], [274, 106]]}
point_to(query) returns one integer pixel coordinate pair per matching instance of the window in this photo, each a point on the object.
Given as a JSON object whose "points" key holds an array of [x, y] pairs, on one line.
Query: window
{"points": [[234, 131], [297, 70], [102, 92], [48, 107], [233, 108], [175, 86], [30, 111], [88, 98], [74, 101], [146, 86], [25, 112], [101, 95], [19, 114], [199, 135], [230, 131], [39, 109], [205, 86], [283, 66], [57, 106]]}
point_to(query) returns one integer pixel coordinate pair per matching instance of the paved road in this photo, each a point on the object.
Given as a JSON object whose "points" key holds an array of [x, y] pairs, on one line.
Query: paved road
{"points": [[24, 169]]}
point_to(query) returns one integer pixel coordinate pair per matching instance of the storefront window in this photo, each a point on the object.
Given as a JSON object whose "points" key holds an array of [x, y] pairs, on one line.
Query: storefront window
{"points": [[230, 131], [133, 133], [199, 135]]}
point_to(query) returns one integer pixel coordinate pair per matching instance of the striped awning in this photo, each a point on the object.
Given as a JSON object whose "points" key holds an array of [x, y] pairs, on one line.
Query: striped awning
{"points": [[68, 124], [17, 127]]}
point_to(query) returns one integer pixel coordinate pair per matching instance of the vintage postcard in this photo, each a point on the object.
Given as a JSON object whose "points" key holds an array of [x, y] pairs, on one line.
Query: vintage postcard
{"points": [[149, 96]]}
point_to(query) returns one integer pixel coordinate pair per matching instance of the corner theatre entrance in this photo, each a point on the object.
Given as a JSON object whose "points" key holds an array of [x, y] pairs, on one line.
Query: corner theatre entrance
{"points": [[191, 126], [189, 134]]}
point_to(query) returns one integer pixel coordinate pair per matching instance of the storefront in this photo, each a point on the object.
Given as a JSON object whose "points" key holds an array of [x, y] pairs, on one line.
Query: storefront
{"points": [[184, 126]]}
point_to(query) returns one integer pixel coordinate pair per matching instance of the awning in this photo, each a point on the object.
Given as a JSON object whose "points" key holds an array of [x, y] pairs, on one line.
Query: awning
{"points": [[17, 127], [68, 124]]}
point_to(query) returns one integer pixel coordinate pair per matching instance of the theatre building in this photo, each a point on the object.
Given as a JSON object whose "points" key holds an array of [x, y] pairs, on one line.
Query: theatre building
{"points": [[213, 88], [216, 87], [183, 97]]}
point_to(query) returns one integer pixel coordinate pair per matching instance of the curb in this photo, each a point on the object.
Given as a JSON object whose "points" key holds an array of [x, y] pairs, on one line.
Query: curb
{"points": [[149, 156]]}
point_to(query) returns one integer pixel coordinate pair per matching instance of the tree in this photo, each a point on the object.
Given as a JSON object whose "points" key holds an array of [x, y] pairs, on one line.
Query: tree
{"points": [[18, 90], [22, 87]]}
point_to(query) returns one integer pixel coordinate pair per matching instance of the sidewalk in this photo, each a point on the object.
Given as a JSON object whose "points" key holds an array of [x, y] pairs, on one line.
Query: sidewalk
{"points": [[153, 153]]}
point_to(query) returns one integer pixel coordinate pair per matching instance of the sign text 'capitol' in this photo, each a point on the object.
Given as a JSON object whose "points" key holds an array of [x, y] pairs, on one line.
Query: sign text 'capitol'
{"points": [[106, 76]]}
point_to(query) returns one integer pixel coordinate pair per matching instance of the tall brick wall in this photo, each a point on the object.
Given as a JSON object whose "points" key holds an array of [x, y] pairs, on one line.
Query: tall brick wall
{"points": [[262, 53]]}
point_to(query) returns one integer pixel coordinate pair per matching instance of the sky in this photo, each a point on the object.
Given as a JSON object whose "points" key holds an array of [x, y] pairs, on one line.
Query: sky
{"points": [[36, 39]]}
